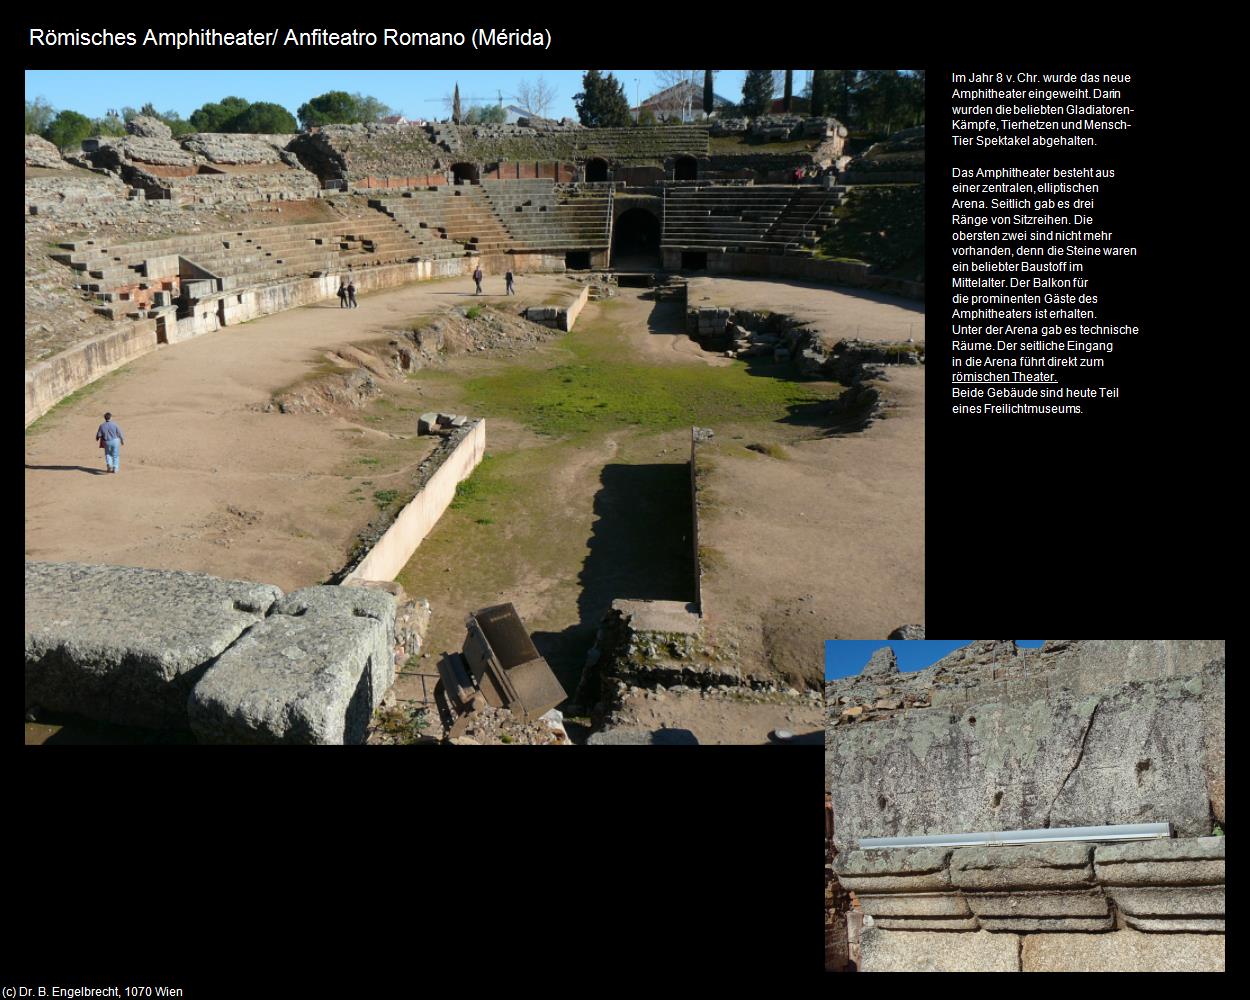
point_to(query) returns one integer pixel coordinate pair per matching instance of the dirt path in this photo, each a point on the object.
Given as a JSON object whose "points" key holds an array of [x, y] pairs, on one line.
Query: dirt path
{"points": [[208, 482]]}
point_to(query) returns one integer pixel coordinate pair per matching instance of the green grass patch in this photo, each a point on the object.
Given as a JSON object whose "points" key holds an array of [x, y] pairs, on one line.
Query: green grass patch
{"points": [[597, 391], [484, 487], [883, 226], [385, 498], [368, 460], [473, 312]]}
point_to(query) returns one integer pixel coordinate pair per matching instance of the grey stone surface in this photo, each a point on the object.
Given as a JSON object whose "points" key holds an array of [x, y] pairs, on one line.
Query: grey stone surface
{"points": [[1081, 903], [1036, 925], [884, 950], [1040, 866], [1123, 951], [882, 664], [907, 632], [349, 602], [899, 870], [914, 904], [305, 679], [1151, 907], [927, 923], [1189, 861], [41, 153], [124, 644], [1132, 754], [1213, 733], [149, 128]]}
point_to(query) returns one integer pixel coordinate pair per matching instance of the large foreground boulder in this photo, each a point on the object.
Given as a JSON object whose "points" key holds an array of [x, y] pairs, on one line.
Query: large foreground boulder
{"points": [[126, 645], [294, 679]]}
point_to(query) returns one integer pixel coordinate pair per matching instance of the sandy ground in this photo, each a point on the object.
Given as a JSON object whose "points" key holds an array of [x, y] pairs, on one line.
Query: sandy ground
{"points": [[844, 312], [825, 543], [210, 483], [719, 720]]}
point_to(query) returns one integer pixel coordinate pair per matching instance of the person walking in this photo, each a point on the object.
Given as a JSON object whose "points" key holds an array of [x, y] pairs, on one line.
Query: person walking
{"points": [[342, 295], [110, 437], [351, 293], [477, 279], [507, 278]]}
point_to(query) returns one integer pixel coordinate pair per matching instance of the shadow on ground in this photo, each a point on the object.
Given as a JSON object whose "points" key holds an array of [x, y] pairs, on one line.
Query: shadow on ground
{"points": [[641, 547]]}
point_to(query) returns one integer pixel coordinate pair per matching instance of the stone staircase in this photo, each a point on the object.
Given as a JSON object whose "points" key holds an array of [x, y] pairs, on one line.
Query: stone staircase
{"points": [[541, 215], [132, 279], [748, 219], [459, 214]]}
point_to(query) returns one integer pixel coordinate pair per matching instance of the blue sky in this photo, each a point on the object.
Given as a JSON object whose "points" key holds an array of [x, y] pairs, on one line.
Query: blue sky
{"points": [[414, 93], [846, 657]]}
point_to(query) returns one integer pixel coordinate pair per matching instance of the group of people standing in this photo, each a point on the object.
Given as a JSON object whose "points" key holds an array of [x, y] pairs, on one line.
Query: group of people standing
{"points": [[347, 295], [507, 279]]}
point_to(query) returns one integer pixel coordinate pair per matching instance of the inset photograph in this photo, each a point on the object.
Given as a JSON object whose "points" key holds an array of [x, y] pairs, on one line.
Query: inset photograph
{"points": [[1024, 805]]}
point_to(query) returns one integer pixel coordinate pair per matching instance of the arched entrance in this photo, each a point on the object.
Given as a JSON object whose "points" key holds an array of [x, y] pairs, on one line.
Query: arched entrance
{"points": [[464, 173], [686, 168], [596, 170], [636, 239]]}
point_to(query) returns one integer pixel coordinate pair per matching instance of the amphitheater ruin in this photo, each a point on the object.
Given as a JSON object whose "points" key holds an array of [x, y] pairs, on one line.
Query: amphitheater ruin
{"points": [[999, 742], [678, 582]]}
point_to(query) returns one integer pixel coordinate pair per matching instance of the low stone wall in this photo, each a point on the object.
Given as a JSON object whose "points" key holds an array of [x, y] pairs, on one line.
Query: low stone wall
{"points": [[451, 463], [560, 317], [1155, 906], [834, 272], [235, 661], [50, 381]]}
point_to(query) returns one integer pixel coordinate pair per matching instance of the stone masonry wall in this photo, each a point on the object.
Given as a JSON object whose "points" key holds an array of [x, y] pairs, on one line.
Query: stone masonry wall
{"points": [[234, 661], [995, 737]]}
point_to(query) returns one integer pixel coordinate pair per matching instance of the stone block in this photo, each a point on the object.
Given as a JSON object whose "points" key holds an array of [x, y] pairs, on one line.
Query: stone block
{"points": [[352, 602], [305, 679], [1187, 861], [1213, 733], [885, 950], [427, 423], [1171, 907], [125, 644], [913, 870], [1082, 903], [1123, 951], [1028, 866], [914, 904]]}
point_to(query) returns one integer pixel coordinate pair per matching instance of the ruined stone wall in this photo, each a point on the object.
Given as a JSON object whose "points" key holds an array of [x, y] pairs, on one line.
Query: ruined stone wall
{"points": [[234, 661], [453, 461], [995, 737]]}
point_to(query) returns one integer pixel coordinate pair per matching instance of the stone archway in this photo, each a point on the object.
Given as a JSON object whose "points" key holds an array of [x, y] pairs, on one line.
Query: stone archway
{"points": [[465, 173], [686, 168], [596, 170], [636, 239]]}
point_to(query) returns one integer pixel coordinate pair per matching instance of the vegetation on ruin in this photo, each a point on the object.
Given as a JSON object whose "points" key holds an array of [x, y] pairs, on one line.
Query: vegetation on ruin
{"points": [[882, 225]]}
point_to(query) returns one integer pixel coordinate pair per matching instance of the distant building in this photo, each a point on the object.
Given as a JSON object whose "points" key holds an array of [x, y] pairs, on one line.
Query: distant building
{"points": [[396, 120], [683, 100]]}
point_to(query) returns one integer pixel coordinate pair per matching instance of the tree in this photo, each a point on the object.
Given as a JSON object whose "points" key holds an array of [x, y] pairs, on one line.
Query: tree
{"points": [[789, 92], [489, 114], [217, 116], [602, 103], [646, 118], [39, 114], [455, 105], [536, 97], [842, 85], [68, 129], [757, 91], [820, 92], [369, 109], [110, 124], [708, 97], [266, 118], [337, 107]]}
